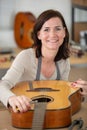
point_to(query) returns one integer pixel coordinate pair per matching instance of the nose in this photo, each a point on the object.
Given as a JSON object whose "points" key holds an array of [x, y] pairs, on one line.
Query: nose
{"points": [[52, 33]]}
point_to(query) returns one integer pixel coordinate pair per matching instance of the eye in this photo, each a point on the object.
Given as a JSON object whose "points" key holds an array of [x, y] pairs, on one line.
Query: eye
{"points": [[59, 28], [46, 29]]}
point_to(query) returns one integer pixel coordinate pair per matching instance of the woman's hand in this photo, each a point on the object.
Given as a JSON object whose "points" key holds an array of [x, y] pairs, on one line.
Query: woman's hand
{"points": [[19, 103], [81, 84]]}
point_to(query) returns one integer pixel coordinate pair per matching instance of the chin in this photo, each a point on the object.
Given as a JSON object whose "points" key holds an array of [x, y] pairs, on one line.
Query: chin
{"points": [[53, 48]]}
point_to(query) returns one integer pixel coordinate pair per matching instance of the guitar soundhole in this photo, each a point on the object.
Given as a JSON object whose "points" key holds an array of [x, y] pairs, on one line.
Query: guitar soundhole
{"points": [[42, 99], [21, 30]]}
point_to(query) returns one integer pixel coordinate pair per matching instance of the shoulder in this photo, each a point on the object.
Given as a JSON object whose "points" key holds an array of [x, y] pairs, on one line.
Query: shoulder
{"points": [[64, 61], [26, 53], [24, 56]]}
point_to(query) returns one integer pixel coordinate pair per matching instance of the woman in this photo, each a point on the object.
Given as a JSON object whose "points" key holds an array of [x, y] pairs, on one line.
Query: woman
{"points": [[48, 59], [81, 84]]}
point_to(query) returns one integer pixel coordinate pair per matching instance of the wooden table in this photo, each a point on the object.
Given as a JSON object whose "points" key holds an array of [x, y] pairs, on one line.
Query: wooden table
{"points": [[5, 118], [79, 61], [78, 67], [5, 59]]}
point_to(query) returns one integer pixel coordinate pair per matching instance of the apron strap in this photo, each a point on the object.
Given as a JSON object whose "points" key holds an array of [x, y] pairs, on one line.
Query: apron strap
{"points": [[58, 72], [39, 69]]}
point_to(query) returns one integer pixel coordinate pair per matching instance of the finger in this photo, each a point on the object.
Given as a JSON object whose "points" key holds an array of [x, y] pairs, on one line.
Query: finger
{"points": [[82, 82], [12, 101], [24, 104], [14, 106], [74, 84], [83, 93], [15, 109], [20, 105], [26, 101]]}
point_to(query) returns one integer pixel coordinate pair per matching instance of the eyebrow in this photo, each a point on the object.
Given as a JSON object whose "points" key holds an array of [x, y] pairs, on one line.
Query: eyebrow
{"points": [[54, 26]]}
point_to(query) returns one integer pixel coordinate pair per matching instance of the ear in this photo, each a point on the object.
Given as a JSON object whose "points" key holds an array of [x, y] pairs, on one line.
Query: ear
{"points": [[38, 35]]}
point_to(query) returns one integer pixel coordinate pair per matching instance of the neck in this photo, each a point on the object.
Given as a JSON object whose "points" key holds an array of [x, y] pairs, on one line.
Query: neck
{"points": [[49, 55], [47, 61]]}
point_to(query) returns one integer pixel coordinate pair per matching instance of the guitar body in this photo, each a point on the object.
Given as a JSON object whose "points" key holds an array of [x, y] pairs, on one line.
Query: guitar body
{"points": [[62, 102], [23, 27]]}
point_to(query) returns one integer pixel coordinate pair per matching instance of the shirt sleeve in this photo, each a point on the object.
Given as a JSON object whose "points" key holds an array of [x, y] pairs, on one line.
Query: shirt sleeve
{"points": [[11, 78]]}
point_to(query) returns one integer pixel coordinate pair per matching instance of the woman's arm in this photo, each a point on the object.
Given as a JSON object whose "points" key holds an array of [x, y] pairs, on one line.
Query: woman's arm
{"points": [[9, 80]]}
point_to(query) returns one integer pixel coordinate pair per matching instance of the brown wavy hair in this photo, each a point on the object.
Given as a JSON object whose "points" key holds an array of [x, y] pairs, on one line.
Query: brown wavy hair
{"points": [[63, 51]]}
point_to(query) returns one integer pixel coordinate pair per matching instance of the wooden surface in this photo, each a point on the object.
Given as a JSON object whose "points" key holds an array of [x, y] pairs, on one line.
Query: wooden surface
{"points": [[74, 60], [78, 72], [80, 2], [5, 59], [5, 119]]}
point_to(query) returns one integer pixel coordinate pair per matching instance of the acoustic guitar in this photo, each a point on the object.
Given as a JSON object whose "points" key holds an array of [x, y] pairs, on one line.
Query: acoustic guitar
{"points": [[56, 102], [23, 27]]}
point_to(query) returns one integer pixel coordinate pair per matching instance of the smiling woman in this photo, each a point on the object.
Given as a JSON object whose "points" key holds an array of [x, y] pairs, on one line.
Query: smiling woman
{"points": [[47, 59]]}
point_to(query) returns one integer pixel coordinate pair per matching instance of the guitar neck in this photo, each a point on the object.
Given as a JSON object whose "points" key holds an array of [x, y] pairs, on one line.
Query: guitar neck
{"points": [[39, 114]]}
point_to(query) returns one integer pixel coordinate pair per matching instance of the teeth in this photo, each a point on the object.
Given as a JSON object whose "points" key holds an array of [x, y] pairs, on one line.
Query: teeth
{"points": [[52, 41]]}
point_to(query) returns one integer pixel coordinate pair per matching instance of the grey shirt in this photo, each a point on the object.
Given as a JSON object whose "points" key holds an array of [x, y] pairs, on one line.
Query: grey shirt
{"points": [[24, 68]]}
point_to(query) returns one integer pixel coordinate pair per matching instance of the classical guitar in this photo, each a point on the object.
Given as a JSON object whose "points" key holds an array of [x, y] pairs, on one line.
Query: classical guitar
{"points": [[23, 27], [59, 99]]}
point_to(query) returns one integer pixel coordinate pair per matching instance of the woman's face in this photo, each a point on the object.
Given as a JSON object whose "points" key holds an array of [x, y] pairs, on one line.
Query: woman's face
{"points": [[52, 33]]}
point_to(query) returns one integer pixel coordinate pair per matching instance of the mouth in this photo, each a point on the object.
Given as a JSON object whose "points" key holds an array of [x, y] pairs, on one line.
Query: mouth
{"points": [[52, 42]]}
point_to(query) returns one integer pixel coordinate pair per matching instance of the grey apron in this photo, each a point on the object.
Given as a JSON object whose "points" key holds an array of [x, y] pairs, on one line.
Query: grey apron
{"points": [[39, 69]]}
